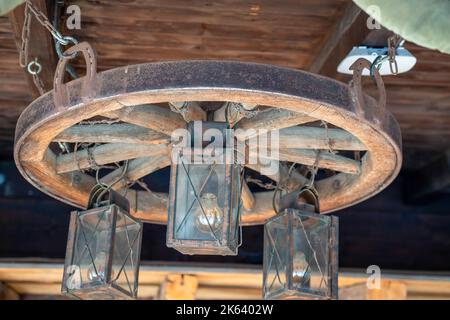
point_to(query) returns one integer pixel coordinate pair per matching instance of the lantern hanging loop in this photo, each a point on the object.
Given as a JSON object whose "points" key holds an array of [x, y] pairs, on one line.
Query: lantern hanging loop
{"points": [[305, 198], [280, 186], [313, 171], [101, 189]]}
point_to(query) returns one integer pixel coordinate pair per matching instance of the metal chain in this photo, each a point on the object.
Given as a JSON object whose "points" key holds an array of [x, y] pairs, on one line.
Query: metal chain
{"points": [[394, 42], [43, 20], [38, 83], [325, 125], [34, 67], [23, 54], [313, 171]]}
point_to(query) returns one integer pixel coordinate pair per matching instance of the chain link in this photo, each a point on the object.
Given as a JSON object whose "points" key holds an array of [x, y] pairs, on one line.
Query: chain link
{"points": [[43, 20], [34, 67], [23, 54], [393, 43]]}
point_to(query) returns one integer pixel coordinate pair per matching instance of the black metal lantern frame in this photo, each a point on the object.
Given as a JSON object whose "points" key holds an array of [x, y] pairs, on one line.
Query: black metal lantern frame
{"points": [[204, 202], [300, 252], [103, 252]]}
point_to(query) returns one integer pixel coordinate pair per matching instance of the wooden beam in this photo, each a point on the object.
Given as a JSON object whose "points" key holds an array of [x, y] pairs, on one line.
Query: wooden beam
{"points": [[389, 290], [351, 30], [7, 293], [104, 154], [219, 281], [179, 287], [40, 45], [112, 133], [153, 117]]}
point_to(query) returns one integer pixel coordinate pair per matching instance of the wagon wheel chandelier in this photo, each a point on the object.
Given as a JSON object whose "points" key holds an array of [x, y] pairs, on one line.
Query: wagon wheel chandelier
{"points": [[133, 121], [107, 131]]}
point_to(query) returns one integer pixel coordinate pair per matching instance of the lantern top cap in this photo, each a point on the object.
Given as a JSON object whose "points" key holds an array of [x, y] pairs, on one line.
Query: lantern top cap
{"points": [[304, 199], [107, 197]]}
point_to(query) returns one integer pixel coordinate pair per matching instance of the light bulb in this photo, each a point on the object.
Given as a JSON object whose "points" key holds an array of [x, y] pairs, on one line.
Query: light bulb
{"points": [[301, 274], [210, 218], [96, 271]]}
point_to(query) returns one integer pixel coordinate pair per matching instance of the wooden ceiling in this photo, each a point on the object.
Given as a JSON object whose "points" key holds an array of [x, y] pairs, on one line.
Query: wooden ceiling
{"points": [[289, 33]]}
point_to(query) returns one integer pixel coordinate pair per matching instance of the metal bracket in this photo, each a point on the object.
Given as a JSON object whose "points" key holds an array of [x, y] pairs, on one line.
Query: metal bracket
{"points": [[60, 95], [356, 86]]}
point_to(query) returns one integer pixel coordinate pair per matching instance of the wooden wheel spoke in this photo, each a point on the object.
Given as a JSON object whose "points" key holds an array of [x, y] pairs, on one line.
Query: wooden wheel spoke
{"points": [[112, 133], [318, 138], [153, 117], [104, 154], [326, 160], [137, 169], [271, 119]]}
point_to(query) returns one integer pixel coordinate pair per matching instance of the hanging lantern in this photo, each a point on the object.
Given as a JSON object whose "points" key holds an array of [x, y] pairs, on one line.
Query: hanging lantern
{"points": [[103, 251], [300, 251], [204, 196]]}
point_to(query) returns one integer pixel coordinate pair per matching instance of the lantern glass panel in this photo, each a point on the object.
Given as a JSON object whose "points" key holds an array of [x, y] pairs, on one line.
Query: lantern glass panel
{"points": [[103, 252], [300, 256], [204, 208]]}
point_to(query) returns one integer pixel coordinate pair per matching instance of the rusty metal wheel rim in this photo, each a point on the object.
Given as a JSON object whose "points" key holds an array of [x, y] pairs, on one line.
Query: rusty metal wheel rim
{"points": [[282, 88]]}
